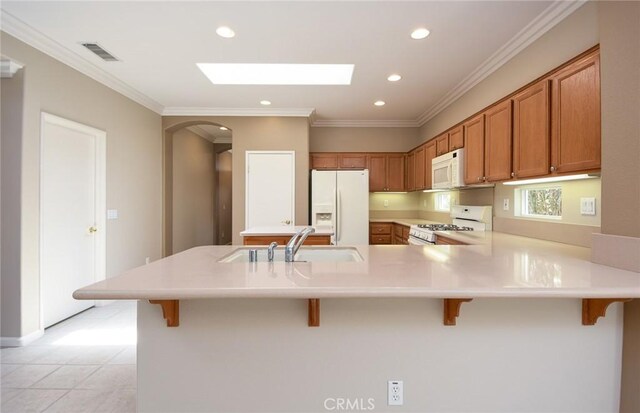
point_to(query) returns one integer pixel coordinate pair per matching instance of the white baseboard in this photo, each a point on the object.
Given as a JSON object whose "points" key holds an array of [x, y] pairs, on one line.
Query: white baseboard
{"points": [[21, 341]]}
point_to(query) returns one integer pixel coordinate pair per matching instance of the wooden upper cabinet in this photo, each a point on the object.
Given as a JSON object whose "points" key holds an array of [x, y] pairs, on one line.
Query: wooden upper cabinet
{"points": [[395, 173], [575, 117], [377, 172], [430, 153], [442, 144], [474, 150], [348, 160], [411, 171], [456, 138], [324, 160], [531, 151], [497, 142], [420, 176]]}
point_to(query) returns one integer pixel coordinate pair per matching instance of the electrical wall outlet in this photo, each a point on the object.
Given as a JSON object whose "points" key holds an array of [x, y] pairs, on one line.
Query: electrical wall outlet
{"points": [[588, 206], [386, 203], [395, 393], [505, 204]]}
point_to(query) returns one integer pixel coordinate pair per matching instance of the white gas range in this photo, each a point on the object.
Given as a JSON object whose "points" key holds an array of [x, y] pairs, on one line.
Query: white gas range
{"points": [[465, 218]]}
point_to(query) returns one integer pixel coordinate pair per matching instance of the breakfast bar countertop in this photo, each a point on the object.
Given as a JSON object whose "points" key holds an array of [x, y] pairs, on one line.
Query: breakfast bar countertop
{"points": [[498, 265], [284, 230]]}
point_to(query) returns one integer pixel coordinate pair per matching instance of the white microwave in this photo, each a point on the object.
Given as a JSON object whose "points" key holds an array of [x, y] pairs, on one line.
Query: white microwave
{"points": [[447, 171]]}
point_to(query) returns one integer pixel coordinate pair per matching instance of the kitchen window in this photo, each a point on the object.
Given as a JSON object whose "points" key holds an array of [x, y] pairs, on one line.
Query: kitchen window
{"points": [[543, 203], [443, 202]]}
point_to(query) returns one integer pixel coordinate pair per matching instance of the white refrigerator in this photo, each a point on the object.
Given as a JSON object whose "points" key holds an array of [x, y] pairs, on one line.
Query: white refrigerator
{"points": [[341, 199]]}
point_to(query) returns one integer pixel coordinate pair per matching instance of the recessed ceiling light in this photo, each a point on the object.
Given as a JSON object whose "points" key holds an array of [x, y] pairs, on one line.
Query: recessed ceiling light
{"points": [[277, 74], [420, 33], [265, 102], [223, 128], [394, 78], [379, 103], [226, 32]]}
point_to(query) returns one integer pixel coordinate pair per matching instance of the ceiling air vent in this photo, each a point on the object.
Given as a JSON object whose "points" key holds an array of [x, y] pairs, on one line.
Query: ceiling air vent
{"points": [[100, 52]]}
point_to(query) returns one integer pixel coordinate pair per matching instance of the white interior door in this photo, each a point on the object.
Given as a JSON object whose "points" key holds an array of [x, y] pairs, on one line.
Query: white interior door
{"points": [[270, 188], [71, 215]]}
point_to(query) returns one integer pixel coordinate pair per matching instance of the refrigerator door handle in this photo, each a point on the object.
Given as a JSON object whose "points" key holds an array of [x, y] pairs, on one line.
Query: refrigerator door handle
{"points": [[338, 213]]}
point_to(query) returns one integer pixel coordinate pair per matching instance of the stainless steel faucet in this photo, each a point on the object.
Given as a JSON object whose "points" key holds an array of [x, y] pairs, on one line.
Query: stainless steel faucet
{"points": [[295, 242], [270, 251]]}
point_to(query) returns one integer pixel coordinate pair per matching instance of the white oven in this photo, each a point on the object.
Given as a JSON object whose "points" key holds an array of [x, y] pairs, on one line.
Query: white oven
{"points": [[447, 171]]}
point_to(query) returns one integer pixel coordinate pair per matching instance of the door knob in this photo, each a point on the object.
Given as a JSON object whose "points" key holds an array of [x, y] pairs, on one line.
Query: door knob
{"points": [[92, 230]]}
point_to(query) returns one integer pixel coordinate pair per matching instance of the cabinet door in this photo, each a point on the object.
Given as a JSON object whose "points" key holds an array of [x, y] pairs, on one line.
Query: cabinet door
{"points": [[497, 142], [352, 161], [395, 173], [411, 172], [430, 153], [442, 144], [474, 150], [324, 160], [420, 168], [575, 117], [456, 138], [531, 131], [377, 172]]}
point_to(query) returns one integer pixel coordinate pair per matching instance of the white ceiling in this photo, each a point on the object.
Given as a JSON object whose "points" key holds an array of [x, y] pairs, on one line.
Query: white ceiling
{"points": [[160, 43]]}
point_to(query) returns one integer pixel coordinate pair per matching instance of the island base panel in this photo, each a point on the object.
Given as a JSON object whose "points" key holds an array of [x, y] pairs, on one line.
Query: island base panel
{"points": [[504, 355]]}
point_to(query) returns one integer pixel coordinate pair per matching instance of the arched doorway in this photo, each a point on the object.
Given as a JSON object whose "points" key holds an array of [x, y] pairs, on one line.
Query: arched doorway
{"points": [[197, 206]]}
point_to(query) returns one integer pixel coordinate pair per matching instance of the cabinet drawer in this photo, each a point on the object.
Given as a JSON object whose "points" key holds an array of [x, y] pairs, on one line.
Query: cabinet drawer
{"points": [[380, 239], [380, 229], [352, 161], [440, 240]]}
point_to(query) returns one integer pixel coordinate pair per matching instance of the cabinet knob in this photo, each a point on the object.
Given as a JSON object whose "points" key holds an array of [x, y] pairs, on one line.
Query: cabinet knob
{"points": [[513, 174], [479, 178], [484, 178], [552, 169]]}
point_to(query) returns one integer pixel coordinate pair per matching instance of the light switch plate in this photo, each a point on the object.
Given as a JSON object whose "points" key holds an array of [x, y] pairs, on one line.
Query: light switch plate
{"points": [[505, 204], [588, 206], [112, 214]]}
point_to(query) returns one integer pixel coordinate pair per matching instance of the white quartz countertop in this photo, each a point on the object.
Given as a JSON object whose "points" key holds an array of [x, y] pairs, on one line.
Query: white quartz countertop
{"points": [[283, 230], [499, 265], [404, 221]]}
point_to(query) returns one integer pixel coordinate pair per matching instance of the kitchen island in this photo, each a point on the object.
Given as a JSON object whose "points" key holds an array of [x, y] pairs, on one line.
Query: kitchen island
{"points": [[521, 341]]}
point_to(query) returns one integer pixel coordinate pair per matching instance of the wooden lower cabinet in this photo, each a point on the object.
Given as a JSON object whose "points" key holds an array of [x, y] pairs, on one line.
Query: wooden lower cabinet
{"points": [[441, 240], [268, 239], [380, 233], [400, 234]]}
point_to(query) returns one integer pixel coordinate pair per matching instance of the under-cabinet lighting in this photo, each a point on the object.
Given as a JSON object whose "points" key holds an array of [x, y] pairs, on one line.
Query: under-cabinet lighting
{"points": [[277, 74], [551, 179], [436, 190], [387, 192]]}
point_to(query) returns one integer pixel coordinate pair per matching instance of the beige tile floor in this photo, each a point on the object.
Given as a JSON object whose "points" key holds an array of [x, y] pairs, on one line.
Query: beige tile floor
{"points": [[84, 364]]}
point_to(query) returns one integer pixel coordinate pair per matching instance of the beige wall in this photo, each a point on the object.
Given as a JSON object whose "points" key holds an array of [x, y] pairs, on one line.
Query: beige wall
{"points": [[575, 34], [362, 139], [193, 191], [11, 140], [134, 150], [619, 24], [261, 134], [224, 199]]}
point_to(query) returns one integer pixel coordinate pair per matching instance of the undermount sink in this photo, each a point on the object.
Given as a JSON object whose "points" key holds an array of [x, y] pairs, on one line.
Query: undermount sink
{"points": [[337, 254]]}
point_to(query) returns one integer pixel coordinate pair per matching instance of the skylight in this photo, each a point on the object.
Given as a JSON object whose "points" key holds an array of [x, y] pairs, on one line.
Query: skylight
{"points": [[277, 74]]}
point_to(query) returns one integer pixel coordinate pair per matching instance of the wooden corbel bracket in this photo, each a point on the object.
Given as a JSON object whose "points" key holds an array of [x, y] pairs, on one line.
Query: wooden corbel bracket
{"points": [[452, 309], [314, 312], [170, 311], [594, 308]]}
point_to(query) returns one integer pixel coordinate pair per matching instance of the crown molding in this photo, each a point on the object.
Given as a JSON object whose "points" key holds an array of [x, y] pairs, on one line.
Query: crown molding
{"points": [[34, 38], [8, 67], [345, 123], [186, 111], [545, 21]]}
